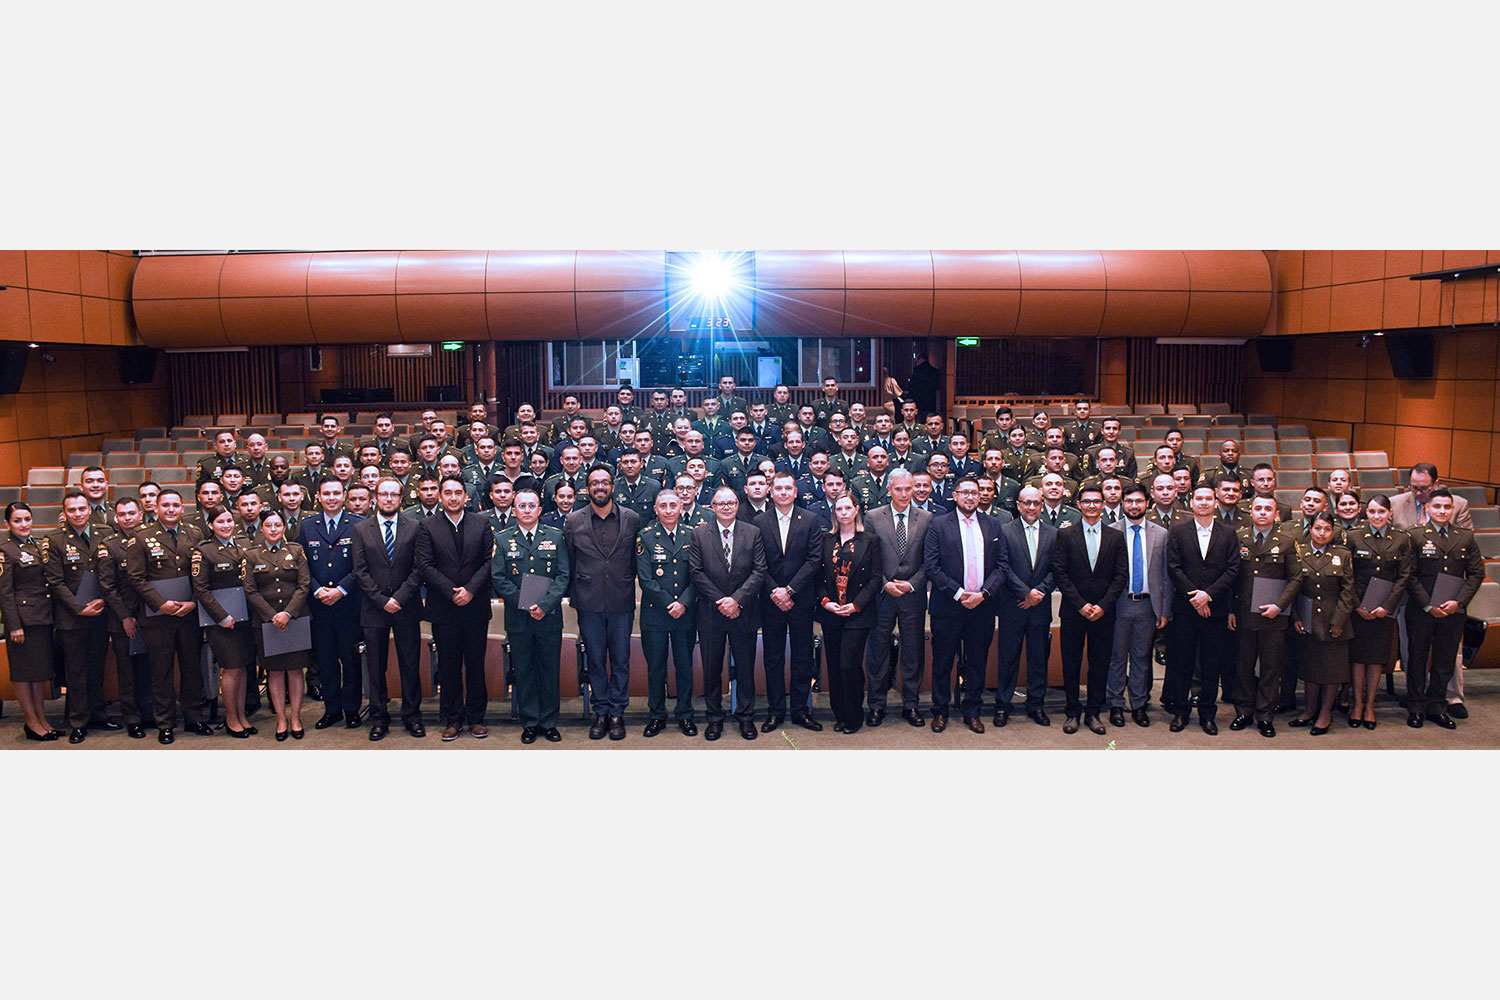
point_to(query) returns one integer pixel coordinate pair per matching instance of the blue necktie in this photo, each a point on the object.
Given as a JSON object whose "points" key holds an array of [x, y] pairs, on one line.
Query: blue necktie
{"points": [[1137, 563], [390, 544]]}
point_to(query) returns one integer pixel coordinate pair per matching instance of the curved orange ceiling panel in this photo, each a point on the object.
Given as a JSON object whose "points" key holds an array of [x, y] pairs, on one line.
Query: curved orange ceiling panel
{"points": [[422, 295]]}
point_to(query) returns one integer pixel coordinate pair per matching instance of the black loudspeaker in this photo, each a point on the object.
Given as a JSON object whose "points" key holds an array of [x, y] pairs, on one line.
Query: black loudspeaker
{"points": [[12, 368], [137, 365], [1411, 354], [1275, 354]]}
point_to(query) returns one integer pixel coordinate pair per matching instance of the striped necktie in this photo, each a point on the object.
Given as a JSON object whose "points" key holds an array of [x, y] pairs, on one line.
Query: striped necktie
{"points": [[390, 543]]}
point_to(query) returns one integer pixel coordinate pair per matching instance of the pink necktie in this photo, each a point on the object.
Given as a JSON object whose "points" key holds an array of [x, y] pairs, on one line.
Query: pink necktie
{"points": [[971, 557]]}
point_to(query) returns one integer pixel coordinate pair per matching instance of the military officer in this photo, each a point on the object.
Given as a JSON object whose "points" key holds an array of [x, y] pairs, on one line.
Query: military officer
{"points": [[1263, 481], [628, 410], [1055, 463], [26, 608], [653, 466], [255, 464], [712, 423], [1036, 435], [781, 409], [218, 565], [385, 439], [1435, 627], [123, 604], [71, 555], [633, 490], [680, 407], [1268, 551], [94, 484], [734, 470], [1229, 463], [667, 613], [1173, 440], [830, 402], [572, 472], [479, 413], [334, 444], [868, 486], [534, 633], [558, 426], [693, 447], [849, 460], [224, 457], [727, 400], [1083, 433]]}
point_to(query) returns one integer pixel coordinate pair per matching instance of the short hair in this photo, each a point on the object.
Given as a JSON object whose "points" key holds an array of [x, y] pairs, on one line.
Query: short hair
{"points": [[1426, 468], [1316, 489], [163, 493], [425, 438], [426, 477], [74, 493], [999, 410], [121, 501], [92, 468], [1090, 489], [965, 479], [453, 479], [527, 489], [1131, 489], [833, 473], [330, 479], [1441, 491], [248, 492], [896, 476], [1260, 465]]}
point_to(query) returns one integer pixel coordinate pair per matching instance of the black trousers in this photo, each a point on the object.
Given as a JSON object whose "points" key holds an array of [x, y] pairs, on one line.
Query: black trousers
{"points": [[1033, 626], [133, 674], [1190, 637], [1259, 695], [739, 633], [654, 645], [845, 646], [460, 649], [903, 616], [1432, 648], [776, 627], [408, 634], [536, 653], [973, 630], [1076, 634], [83, 652], [335, 641], [171, 639]]}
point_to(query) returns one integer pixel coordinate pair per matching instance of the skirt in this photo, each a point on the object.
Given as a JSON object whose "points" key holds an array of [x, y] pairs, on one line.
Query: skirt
{"points": [[31, 661], [232, 647], [286, 661], [1372, 640], [1324, 662]]}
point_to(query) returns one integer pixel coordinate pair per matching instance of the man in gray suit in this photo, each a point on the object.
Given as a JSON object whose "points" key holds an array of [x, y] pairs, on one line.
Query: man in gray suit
{"points": [[902, 603], [1026, 608], [1143, 607]]}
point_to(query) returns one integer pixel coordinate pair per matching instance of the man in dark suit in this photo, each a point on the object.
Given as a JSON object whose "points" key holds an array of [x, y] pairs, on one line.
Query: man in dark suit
{"points": [[966, 562], [385, 549], [901, 606], [601, 550], [1203, 560], [1025, 610], [1089, 565], [727, 561], [328, 539], [454, 548], [793, 544]]}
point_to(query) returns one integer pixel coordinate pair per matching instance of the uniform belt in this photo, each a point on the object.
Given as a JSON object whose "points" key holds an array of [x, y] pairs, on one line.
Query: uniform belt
{"points": [[1138, 597]]}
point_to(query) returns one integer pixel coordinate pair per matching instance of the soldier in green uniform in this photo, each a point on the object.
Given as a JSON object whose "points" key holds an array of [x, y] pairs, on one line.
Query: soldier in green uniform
{"points": [[712, 423], [1267, 552], [1447, 569], [479, 413], [667, 612], [256, 466], [1055, 461], [385, 439], [868, 485], [848, 459], [1263, 482], [26, 610], [218, 564], [223, 458], [628, 410], [1173, 440], [1322, 624], [132, 673], [334, 444], [534, 633], [94, 484], [782, 408], [633, 490], [1109, 436], [1382, 551], [728, 401], [80, 625], [1036, 436], [1082, 434], [830, 402]]}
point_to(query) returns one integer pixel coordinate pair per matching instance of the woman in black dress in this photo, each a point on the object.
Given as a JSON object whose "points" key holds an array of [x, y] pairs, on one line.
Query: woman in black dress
{"points": [[1327, 574], [846, 608], [1382, 551], [277, 582], [26, 607], [218, 564]]}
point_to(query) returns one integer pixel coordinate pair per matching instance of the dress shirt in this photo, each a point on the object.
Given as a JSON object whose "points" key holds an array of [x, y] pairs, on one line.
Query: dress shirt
{"points": [[1204, 534], [973, 544], [783, 525]]}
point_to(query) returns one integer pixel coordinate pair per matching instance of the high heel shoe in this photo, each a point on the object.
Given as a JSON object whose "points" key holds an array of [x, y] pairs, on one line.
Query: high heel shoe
{"points": [[1353, 721], [1299, 723], [47, 737], [297, 734], [1369, 723], [239, 734], [1319, 730]]}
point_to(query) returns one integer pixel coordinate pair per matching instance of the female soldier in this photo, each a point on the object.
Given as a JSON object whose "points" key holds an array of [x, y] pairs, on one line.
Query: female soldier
{"points": [[1328, 585], [1379, 551], [1350, 512], [276, 588], [26, 606], [218, 565]]}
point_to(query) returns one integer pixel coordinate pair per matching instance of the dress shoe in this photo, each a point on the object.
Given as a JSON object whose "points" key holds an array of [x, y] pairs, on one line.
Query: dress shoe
{"points": [[238, 734], [135, 731], [747, 729], [1369, 723], [653, 728], [975, 724], [772, 723], [1353, 721], [251, 730], [1317, 730], [479, 730], [298, 733], [1093, 725], [1117, 717], [852, 727], [528, 735], [1209, 726], [688, 727], [199, 728], [1179, 723], [1240, 722], [551, 735], [450, 733], [838, 727], [1070, 724], [616, 727], [378, 731], [1414, 719], [1141, 716], [56, 734], [806, 721], [1001, 717], [351, 721], [600, 728], [1299, 723], [1266, 729], [714, 730], [328, 719], [111, 726], [314, 691], [913, 716], [1455, 709], [416, 729], [282, 735], [874, 717], [76, 735], [163, 736], [1286, 707], [1443, 719], [1039, 716]]}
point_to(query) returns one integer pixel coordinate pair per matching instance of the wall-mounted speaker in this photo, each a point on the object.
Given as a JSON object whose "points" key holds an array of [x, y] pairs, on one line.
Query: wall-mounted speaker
{"points": [[1411, 354], [315, 359], [12, 368], [1275, 354], [137, 365]]}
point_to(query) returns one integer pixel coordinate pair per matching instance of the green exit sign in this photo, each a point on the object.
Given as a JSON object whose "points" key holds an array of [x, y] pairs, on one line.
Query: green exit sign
{"points": [[453, 345], [968, 341]]}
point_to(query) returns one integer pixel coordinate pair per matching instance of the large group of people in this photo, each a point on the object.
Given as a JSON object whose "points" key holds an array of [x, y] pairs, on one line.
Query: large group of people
{"points": [[739, 522]]}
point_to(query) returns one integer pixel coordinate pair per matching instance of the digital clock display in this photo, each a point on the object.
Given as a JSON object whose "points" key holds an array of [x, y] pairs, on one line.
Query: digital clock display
{"points": [[698, 323]]}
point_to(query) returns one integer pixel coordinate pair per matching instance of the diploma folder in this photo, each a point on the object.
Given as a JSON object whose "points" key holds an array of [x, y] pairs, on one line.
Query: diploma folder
{"points": [[232, 600], [88, 588], [1446, 588], [178, 588], [296, 638], [534, 587], [1376, 591], [1265, 591]]}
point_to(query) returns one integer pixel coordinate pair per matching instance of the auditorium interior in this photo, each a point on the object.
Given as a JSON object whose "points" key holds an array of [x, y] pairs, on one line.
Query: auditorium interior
{"points": [[1315, 360]]}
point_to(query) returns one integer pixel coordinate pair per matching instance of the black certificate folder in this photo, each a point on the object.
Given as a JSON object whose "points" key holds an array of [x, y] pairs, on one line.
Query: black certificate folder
{"points": [[1265, 591], [1446, 588], [296, 638], [534, 587], [178, 588], [1376, 591]]}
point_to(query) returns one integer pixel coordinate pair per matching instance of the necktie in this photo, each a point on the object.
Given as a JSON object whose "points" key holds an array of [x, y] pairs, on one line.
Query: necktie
{"points": [[172, 533], [390, 543], [1091, 543], [1137, 562], [1443, 532], [726, 546], [528, 539], [1031, 542], [1421, 514], [900, 534], [1260, 539], [85, 539], [971, 557], [1052, 516]]}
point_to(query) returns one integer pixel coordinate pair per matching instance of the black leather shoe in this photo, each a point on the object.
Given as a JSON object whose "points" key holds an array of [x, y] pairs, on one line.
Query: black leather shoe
{"points": [[1266, 729], [1443, 719], [654, 727], [747, 729], [1117, 717], [600, 728], [528, 735], [773, 721], [135, 731], [1299, 723], [237, 734], [297, 734], [1353, 722], [1456, 710], [1039, 717], [1179, 723], [1070, 724], [1092, 723], [1209, 726], [111, 726], [838, 727], [328, 719], [416, 729], [1317, 730], [1414, 719], [251, 730], [281, 737], [199, 728], [1001, 717], [806, 721], [551, 735], [688, 727], [913, 717], [76, 735], [1240, 722], [714, 730], [1369, 723], [1141, 716], [351, 721], [616, 728], [1286, 707], [874, 717], [378, 731], [164, 736]]}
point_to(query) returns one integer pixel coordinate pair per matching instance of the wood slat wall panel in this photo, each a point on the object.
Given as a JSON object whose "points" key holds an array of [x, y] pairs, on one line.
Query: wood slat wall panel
{"points": [[1185, 373], [227, 382], [366, 366], [598, 399]]}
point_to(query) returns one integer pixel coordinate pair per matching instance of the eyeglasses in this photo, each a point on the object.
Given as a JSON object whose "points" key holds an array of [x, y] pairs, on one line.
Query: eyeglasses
{"points": [[726, 503]]}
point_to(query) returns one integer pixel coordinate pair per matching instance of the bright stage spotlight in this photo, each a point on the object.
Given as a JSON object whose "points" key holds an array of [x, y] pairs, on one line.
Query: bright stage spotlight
{"points": [[712, 276]]}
